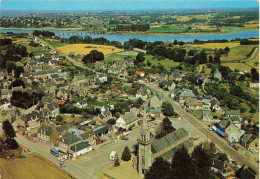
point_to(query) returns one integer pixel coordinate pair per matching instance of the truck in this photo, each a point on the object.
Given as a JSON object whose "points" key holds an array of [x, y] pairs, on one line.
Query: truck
{"points": [[54, 152], [113, 155]]}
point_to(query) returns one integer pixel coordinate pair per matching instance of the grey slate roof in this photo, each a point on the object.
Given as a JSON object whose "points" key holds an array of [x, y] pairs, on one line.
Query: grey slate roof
{"points": [[169, 154], [85, 136], [99, 130], [168, 140], [46, 129], [80, 146], [232, 113], [69, 138], [129, 117]]}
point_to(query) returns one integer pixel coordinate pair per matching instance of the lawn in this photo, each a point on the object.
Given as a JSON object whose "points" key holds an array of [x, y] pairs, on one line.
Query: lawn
{"points": [[111, 57], [237, 53], [96, 103], [87, 48], [34, 166], [32, 49], [57, 44], [168, 29], [166, 63]]}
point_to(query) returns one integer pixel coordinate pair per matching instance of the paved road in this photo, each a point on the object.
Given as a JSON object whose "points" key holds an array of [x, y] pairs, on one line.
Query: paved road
{"points": [[89, 165], [204, 129]]}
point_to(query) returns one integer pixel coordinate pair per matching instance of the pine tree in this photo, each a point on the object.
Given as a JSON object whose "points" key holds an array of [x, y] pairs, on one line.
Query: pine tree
{"points": [[126, 156], [160, 169], [203, 161], [8, 130], [182, 165]]}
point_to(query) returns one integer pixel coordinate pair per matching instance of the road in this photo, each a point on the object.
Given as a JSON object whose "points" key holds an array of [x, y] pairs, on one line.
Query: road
{"points": [[220, 142], [89, 165]]}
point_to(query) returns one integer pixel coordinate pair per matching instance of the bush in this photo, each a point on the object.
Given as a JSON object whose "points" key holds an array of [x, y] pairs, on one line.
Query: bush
{"points": [[117, 162], [111, 121]]}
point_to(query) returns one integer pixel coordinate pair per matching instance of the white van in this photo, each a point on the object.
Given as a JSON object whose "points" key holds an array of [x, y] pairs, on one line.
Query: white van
{"points": [[113, 155]]}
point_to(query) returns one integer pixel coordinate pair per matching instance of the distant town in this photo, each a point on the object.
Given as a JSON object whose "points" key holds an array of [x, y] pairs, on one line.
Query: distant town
{"points": [[86, 107]]}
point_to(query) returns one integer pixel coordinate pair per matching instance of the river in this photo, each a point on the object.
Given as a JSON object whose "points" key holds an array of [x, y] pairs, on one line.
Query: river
{"points": [[149, 38]]}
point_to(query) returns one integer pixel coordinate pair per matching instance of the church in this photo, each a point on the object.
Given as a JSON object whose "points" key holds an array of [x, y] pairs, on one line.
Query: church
{"points": [[165, 147]]}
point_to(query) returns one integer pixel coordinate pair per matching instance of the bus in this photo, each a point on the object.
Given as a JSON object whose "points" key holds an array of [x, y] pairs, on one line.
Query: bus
{"points": [[55, 152]]}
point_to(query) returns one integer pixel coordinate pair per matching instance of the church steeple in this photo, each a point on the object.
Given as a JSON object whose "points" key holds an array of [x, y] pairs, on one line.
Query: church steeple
{"points": [[144, 139]]}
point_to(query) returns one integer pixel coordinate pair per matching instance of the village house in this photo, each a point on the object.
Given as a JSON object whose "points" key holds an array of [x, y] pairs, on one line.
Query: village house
{"points": [[140, 73], [100, 131], [80, 149], [78, 79], [66, 141], [126, 120], [181, 96], [82, 104], [206, 115], [104, 117], [46, 135], [249, 141], [101, 77]]}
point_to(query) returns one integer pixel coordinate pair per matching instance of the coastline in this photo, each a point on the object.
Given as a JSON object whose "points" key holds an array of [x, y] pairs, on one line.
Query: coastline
{"points": [[225, 31]]}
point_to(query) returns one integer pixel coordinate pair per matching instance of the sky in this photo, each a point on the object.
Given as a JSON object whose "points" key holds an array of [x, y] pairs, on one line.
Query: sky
{"points": [[122, 4]]}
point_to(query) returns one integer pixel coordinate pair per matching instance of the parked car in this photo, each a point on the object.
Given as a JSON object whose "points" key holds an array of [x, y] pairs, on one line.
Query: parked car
{"points": [[235, 147], [231, 144], [124, 138], [62, 164], [253, 151]]}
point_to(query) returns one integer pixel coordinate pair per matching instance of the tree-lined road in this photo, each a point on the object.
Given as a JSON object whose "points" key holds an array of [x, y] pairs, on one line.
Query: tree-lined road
{"points": [[204, 129]]}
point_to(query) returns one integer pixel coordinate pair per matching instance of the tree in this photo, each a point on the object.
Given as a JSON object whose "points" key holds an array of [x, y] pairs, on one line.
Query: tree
{"points": [[10, 65], [117, 162], [126, 156], [182, 165], [59, 118], [210, 59], [160, 169], [111, 121], [167, 109], [17, 72], [223, 157], [93, 56], [17, 82], [9, 134], [164, 128], [8, 130], [255, 74], [139, 58], [217, 57], [203, 161], [136, 149]]}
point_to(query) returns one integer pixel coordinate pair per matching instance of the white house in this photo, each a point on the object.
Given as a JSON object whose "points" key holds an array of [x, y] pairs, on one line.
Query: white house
{"points": [[126, 121], [80, 149]]}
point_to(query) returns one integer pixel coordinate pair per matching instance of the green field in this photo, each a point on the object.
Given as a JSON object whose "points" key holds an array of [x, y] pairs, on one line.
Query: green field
{"points": [[57, 44], [110, 58], [166, 63], [168, 29], [32, 49]]}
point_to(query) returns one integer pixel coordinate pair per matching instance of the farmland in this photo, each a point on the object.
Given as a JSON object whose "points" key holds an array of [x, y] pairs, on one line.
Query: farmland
{"points": [[87, 48], [20, 40], [217, 45], [237, 53], [33, 166]]}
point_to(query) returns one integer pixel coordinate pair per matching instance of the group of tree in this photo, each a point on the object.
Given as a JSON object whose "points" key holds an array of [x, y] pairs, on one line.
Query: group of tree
{"points": [[132, 27], [93, 56], [249, 42], [183, 165], [164, 128], [43, 33], [10, 54], [25, 100], [9, 134], [167, 109], [5, 41]]}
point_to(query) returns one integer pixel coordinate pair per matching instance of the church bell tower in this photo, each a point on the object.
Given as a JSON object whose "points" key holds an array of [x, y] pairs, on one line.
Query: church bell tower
{"points": [[145, 138]]}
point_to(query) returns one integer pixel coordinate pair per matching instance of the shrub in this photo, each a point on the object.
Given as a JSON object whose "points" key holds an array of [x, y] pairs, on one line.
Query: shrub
{"points": [[117, 162]]}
